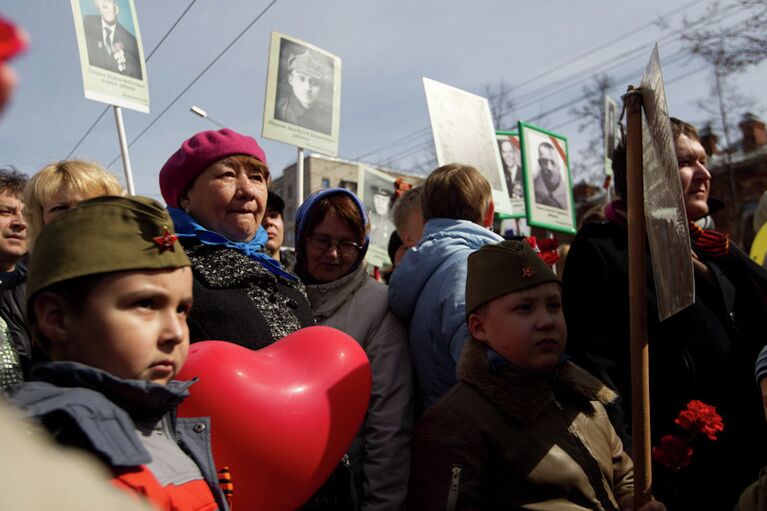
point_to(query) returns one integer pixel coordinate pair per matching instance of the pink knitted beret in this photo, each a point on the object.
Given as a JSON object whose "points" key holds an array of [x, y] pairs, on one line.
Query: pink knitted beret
{"points": [[197, 154]]}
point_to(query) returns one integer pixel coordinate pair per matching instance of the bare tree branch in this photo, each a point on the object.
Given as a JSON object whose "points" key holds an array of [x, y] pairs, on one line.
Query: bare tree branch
{"points": [[499, 95]]}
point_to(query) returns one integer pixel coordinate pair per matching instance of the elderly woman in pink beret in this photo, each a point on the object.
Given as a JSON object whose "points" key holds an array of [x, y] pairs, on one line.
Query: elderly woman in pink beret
{"points": [[215, 186]]}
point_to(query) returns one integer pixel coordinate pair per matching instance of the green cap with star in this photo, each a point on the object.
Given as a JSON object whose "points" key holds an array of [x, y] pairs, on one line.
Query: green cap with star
{"points": [[104, 235], [503, 268]]}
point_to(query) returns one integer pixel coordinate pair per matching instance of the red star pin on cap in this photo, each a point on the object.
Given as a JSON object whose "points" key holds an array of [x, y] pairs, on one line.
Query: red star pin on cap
{"points": [[527, 272], [166, 240]]}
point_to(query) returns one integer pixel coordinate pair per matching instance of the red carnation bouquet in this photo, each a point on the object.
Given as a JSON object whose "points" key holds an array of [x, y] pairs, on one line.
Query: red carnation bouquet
{"points": [[697, 421], [546, 248]]}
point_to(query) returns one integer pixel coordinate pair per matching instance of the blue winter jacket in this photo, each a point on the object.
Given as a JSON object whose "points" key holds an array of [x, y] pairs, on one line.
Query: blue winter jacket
{"points": [[428, 289]]}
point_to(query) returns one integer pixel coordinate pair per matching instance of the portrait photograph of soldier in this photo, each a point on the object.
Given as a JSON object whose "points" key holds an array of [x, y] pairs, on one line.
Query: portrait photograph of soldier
{"points": [[305, 88], [547, 179], [110, 36], [511, 161], [377, 190], [302, 104]]}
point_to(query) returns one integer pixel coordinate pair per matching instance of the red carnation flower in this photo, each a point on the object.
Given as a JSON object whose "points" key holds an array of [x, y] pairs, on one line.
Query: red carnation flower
{"points": [[673, 452], [702, 418], [545, 248]]}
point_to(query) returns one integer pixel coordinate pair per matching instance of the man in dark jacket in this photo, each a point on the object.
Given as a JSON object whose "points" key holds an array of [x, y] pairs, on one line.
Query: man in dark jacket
{"points": [[110, 45], [13, 274], [705, 352]]}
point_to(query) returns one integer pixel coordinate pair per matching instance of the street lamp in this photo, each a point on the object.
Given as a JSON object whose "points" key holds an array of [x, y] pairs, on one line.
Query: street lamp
{"points": [[202, 113]]}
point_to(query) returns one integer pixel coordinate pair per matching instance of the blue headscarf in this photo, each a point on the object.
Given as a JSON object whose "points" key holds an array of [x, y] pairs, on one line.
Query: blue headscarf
{"points": [[302, 215], [187, 227]]}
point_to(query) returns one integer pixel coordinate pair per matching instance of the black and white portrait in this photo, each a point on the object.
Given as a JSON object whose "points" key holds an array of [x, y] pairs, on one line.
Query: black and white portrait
{"points": [[551, 187], [548, 184], [304, 88], [110, 36], [511, 159], [377, 198]]}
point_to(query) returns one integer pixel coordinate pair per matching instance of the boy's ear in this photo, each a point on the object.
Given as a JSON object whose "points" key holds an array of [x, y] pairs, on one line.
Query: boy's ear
{"points": [[487, 220], [51, 320], [477, 328]]}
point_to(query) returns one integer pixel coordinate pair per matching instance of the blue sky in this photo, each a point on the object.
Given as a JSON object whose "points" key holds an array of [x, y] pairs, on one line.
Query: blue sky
{"points": [[385, 47]]}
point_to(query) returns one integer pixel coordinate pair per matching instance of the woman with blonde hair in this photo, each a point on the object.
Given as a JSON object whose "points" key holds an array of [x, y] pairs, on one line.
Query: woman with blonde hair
{"points": [[60, 186], [55, 188]]}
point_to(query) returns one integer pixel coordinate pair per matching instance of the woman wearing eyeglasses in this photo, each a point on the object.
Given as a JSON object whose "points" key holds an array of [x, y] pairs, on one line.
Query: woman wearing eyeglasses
{"points": [[332, 237]]}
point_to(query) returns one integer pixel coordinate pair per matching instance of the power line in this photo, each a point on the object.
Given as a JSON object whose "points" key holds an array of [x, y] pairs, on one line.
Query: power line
{"points": [[567, 83], [200, 75], [608, 43], [162, 40]]}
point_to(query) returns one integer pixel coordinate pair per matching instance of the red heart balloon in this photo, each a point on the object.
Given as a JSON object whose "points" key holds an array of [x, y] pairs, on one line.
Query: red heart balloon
{"points": [[282, 417]]}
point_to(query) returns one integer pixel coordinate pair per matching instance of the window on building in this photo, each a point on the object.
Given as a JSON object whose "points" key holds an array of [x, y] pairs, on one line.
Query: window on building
{"points": [[325, 182], [290, 192]]}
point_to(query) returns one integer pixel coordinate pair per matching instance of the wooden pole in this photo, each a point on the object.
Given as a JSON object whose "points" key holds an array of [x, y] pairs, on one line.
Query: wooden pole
{"points": [[640, 374]]}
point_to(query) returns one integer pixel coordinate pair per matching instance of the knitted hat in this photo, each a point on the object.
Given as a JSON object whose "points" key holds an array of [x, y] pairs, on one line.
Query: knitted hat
{"points": [[503, 268], [761, 365], [104, 235], [197, 154]]}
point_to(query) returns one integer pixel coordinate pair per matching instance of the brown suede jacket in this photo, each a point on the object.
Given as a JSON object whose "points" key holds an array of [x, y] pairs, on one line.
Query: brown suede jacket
{"points": [[501, 439]]}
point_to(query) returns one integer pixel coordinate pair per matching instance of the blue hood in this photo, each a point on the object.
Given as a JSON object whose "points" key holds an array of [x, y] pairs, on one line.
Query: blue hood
{"points": [[443, 240]]}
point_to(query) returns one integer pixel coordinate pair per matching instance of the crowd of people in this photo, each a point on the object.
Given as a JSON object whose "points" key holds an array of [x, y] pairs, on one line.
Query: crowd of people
{"points": [[497, 383]]}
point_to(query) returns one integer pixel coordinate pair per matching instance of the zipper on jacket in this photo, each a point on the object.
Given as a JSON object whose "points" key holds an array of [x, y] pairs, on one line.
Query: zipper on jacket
{"points": [[455, 484]]}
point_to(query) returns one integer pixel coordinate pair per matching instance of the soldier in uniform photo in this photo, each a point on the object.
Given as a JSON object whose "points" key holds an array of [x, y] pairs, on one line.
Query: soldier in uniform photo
{"points": [[512, 170], [300, 97], [110, 45], [550, 187], [381, 225]]}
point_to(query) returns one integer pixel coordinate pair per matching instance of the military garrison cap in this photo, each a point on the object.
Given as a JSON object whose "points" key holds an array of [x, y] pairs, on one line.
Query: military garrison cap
{"points": [[503, 268], [104, 235]]}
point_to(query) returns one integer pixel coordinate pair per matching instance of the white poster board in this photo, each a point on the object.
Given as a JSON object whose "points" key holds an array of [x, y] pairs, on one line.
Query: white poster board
{"points": [[111, 53], [463, 133], [303, 95]]}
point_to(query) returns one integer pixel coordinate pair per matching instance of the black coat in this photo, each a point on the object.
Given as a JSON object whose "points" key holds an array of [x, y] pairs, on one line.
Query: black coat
{"points": [[99, 56], [707, 352], [236, 299]]}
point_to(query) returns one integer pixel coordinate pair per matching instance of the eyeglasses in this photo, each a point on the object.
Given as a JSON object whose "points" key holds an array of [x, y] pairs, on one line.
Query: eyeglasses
{"points": [[323, 244]]}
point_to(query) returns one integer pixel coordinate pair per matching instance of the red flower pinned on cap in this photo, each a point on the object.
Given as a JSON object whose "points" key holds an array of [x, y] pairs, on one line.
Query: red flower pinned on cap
{"points": [[167, 240], [527, 272]]}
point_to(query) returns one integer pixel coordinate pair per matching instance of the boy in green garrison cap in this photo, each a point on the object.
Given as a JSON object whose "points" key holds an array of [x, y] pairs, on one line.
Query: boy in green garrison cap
{"points": [[109, 290], [522, 428]]}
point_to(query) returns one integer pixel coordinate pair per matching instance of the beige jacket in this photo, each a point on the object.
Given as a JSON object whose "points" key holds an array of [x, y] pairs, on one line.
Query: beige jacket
{"points": [[501, 439], [380, 456]]}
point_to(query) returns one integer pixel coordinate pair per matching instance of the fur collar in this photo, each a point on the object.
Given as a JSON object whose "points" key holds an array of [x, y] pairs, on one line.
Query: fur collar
{"points": [[523, 397]]}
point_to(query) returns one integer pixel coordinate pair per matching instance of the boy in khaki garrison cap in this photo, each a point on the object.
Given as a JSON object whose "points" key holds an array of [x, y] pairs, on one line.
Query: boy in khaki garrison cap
{"points": [[109, 290], [522, 428]]}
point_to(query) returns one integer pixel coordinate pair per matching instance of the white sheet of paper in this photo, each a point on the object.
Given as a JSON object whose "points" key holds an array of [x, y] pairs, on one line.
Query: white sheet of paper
{"points": [[463, 133]]}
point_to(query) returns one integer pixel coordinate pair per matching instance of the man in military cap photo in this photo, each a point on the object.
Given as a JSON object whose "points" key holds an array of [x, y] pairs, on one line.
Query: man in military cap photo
{"points": [[300, 97]]}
